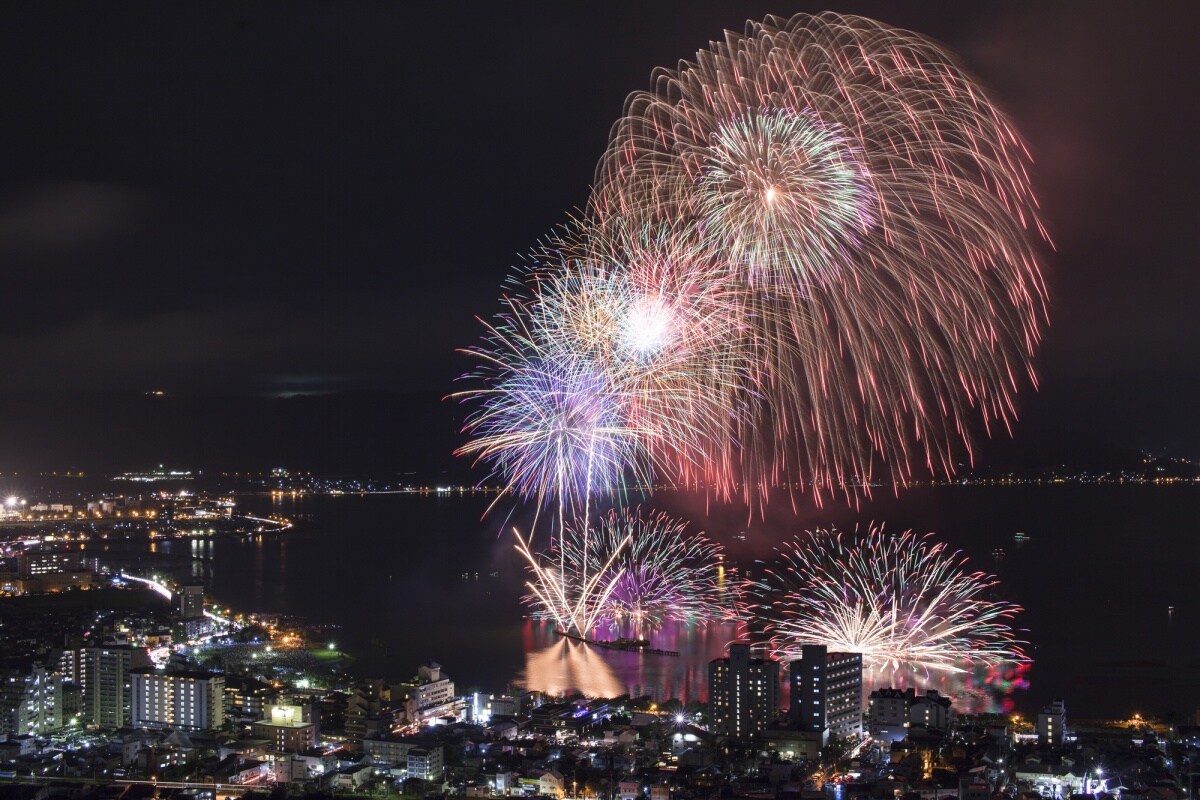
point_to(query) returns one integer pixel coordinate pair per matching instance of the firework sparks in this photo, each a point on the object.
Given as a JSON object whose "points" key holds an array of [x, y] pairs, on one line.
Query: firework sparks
{"points": [[872, 211], [649, 310], [785, 196], [901, 601], [548, 421], [573, 599], [622, 359], [661, 572]]}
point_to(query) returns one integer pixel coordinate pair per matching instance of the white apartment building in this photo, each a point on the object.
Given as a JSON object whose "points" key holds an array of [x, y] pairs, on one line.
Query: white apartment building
{"points": [[179, 700]]}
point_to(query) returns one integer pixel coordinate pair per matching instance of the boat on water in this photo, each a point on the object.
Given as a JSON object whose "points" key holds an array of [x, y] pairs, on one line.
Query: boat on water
{"points": [[629, 645], [1021, 536]]}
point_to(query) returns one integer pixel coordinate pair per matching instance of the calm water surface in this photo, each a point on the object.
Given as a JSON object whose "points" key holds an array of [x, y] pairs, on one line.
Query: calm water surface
{"points": [[411, 578]]}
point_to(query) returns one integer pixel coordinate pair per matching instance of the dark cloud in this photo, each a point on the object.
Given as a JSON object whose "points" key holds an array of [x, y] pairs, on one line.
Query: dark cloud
{"points": [[249, 346]]}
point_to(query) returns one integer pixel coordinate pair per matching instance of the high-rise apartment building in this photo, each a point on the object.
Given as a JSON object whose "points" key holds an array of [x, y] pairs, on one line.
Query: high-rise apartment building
{"points": [[191, 602], [742, 693], [826, 692], [1052, 724], [107, 698], [31, 701], [190, 700]]}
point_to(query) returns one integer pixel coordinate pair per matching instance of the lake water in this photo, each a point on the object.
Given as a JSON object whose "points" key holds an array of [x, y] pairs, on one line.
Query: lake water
{"points": [[1109, 579]]}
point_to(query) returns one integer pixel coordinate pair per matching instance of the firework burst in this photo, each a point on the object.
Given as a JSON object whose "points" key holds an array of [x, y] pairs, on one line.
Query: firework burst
{"points": [[548, 420], [648, 309], [871, 210], [621, 358], [809, 260], [901, 601], [659, 571], [573, 599]]}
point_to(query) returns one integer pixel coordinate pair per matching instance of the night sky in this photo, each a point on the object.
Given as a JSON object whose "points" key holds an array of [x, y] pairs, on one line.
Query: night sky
{"points": [[286, 216]]}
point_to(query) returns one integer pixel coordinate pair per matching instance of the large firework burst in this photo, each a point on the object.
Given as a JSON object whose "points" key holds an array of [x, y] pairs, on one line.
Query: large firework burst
{"points": [[899, 600], [872, 209], [808, 253]]}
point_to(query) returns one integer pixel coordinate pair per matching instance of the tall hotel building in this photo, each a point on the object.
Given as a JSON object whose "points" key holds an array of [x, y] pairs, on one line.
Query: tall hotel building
{"points": [[189, 701], [1052, 724], [827, 692], [742, 693], [106, 694], [191, 602]]}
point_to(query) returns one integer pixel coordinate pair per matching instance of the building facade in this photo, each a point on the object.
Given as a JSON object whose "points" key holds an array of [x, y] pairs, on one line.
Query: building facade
{"points": [[930, 711], [844, 695], [41, 710], [430, 696], [894, 712], [191, 602], [418, 757], [388, 749], [425, 763], [248, 699], [888, 714]]}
